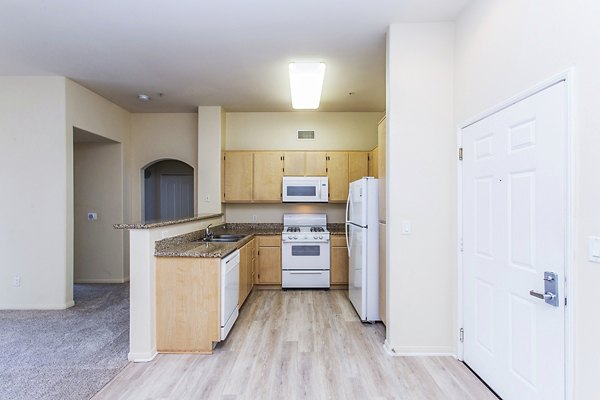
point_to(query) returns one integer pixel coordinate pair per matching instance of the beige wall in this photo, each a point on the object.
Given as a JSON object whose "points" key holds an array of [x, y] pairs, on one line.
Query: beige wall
{"points": [[277, 130], [156, 137], [504, 47], [33, 172], [93, 113], [421, 186], [97, 186], [274, 212], [210, 131]]}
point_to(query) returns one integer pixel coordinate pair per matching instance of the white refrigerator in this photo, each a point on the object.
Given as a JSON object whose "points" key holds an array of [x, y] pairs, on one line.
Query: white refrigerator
{"points": [[362, 239]]}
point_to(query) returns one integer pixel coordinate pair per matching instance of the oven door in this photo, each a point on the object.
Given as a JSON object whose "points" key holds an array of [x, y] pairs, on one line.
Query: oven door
{"points": [[304, 255]]}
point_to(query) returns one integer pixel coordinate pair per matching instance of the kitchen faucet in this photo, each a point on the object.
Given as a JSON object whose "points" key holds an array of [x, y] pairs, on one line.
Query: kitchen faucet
{"points": [[207, 232]]}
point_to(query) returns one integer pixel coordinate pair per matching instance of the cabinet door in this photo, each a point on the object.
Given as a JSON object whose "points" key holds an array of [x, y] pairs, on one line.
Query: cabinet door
{"points": [[382, 274], [293, 163], [381, 138], [316, 163], [339, 265], [269, 265], [238, 176], [374, 163], [337, 171], [358, 165], [268, 173]]}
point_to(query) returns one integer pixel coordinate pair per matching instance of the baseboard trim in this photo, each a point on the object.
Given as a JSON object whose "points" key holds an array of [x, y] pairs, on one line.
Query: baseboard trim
{"points": [[142, 357], [62, 306], [418, 351], [109, 280]]}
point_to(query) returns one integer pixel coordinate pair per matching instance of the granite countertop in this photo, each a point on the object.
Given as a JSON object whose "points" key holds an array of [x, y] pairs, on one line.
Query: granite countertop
{"points": [[191, 244], [159, 223]]}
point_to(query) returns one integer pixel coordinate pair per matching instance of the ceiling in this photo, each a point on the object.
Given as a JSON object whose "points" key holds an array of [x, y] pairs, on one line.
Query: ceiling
{"points": [[232, 53]]}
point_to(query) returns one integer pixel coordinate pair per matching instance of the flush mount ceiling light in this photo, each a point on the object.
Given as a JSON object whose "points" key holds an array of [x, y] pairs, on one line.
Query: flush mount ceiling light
{"points": [[143, 97], [306, 83]]}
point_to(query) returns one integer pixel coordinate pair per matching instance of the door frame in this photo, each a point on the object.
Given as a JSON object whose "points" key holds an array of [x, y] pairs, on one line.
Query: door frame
{"points": [[568, 77]]}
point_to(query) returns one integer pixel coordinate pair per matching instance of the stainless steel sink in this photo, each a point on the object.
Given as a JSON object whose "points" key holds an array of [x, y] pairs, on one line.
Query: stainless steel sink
{"points": [[224, 238]]}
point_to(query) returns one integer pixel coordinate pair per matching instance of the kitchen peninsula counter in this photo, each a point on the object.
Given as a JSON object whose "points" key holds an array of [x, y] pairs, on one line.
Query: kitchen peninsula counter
{"points": [[192, 244]]}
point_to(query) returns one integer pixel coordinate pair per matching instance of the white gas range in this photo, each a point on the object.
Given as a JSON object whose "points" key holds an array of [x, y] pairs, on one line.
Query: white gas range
{"points": [[305, 251]]}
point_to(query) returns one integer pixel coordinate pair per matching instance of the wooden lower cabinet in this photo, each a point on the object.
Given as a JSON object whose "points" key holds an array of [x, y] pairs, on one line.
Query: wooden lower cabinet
{"points": [[269, 260], [187, 304], [339, 260], [246, 271]]}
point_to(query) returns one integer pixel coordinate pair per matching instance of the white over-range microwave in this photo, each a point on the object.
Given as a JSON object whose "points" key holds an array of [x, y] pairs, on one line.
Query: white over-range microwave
{"points": [[305, 189]]}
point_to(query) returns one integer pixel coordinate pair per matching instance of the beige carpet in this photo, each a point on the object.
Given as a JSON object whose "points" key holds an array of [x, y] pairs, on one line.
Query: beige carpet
{"points": [[67, 354]]}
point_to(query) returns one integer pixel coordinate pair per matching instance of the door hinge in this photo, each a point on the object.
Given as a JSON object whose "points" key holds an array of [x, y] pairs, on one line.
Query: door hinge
{"points": [[460, 154], [565, 301], [462, 335]]}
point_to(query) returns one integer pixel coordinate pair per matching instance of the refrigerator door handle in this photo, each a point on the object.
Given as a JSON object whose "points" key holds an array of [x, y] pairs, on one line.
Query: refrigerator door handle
{"points": [[347, 239], [348, 206]]}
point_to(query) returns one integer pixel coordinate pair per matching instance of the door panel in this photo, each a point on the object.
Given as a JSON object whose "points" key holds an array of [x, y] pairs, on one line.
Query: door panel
{"points": [[237, 179], [358, 165], [293, 163], [268, 175], [355, 269], [514, 218], [176, 196], [316, 163]]}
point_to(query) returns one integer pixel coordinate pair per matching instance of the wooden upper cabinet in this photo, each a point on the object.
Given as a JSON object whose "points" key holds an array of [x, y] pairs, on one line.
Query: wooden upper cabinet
{"points": [[293, 163], [337, 171], [237, 171], [316, 163], [358, 165], [268, 173], [374, 163], [381, 139]]}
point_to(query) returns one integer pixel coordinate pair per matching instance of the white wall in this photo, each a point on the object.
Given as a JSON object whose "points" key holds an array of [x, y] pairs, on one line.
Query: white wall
{"points": [[33, 211], [156, 137], [421, 188], [278, 130], [506, 46], [93, 113], [98, 186]]}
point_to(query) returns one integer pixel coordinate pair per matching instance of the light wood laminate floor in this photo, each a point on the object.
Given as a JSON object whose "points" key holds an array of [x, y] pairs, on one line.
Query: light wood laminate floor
{"points": [[306, 344]]}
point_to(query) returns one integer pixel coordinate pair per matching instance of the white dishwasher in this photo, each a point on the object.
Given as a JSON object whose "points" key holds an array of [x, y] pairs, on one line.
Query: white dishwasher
{"points": [[230, 289]]}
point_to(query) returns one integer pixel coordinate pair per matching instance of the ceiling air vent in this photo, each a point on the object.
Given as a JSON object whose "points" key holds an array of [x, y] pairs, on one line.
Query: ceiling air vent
{"points": [[306, 135]]}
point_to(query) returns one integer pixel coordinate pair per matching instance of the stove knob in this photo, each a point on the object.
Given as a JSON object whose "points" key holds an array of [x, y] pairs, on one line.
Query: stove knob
{"points": [[320, 237], [295, 237], [315, 237]]}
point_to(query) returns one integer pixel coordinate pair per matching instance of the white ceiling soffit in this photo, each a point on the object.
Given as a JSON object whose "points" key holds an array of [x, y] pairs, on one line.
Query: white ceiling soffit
{"points": [[233, 53]]}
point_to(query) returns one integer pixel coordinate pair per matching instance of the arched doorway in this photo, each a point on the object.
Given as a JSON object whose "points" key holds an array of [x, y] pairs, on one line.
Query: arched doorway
{"points": [[168, 190]]}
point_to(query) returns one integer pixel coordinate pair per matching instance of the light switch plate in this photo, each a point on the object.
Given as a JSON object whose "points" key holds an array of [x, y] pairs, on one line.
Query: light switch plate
{"points": [[406, 228], [594, 249]]}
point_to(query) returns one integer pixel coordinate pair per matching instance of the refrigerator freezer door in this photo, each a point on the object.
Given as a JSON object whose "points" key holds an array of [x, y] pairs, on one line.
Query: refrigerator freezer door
{"points": [[356, 269]]}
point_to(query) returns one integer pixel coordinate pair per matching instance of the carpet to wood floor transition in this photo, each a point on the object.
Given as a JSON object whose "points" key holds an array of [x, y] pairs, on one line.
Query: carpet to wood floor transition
{"points": [[68, 354]]}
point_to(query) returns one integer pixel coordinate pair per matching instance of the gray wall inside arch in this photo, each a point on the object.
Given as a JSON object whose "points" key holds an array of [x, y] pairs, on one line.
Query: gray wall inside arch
{"points": [[152, 188]]}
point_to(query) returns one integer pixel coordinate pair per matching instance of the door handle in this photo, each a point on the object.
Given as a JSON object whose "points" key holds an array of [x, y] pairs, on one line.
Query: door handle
{"points": [[543, 296], [550, 294]]}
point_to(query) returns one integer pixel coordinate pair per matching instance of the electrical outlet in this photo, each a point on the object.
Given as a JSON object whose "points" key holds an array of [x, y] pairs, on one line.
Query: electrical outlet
{"points": [[254, 219], [16, 282], [406, 228], [207, 198]]}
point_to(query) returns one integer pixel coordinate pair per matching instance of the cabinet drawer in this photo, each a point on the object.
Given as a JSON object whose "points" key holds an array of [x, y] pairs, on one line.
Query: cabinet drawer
{"points": [[338, 240], [269, 241], [305, 279]]}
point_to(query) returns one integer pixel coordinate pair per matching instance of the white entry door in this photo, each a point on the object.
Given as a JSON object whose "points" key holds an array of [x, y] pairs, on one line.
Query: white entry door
{"points": [[514, 230], [176, 196]]}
